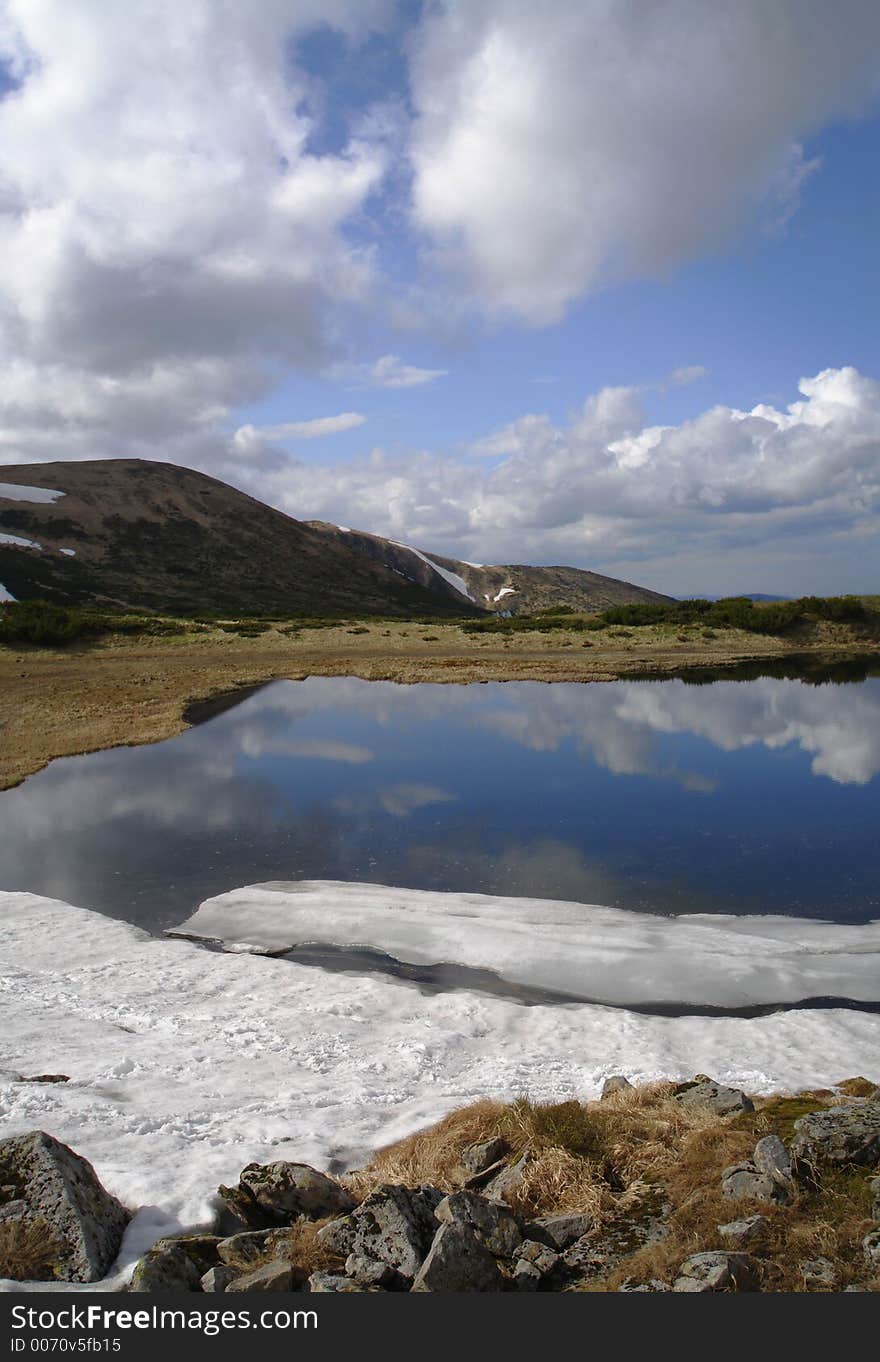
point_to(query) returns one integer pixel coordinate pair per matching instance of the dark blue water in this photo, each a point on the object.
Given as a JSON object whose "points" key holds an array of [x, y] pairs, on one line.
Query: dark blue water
{"points": [[757, 796]]}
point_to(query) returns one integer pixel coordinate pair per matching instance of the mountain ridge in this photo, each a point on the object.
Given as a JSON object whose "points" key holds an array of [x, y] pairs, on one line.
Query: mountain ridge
{"points": [[142, 534]]}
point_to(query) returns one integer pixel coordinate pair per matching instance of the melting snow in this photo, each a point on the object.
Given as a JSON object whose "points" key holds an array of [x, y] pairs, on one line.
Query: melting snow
{"points": [[186, 1064], [580, 949], [17, 540], [4, 594], [451, 577], [505, 591], [70, 553], [16, 491]]}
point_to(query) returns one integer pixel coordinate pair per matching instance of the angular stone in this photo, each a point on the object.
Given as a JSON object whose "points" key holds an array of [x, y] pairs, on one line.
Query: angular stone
{"points": [[218, 1278], [839, 1135], [394, 1225], [506, 1184], [585, 1257], [369, 1272], [242, 1212], [719, 1272], [289, 1190], [61, 1188], [744, 1233], [526, 1276], [874, 1185], [616, 1083], [871, 1249], [743, 1180], [653, 1284], [773, 1160], [457, 1261], [705, 1092], [561, 1230], [166, 1269], [494, 1224], [818, 1272], [333, 1281], [201, 1248], [14, 1210], [272, 1276], [539, 1255], [476, 1158], [244, 1250], [482, 1179]]}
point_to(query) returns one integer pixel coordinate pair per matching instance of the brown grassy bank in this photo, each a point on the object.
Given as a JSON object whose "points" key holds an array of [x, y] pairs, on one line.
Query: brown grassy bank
{"points": [[129, 689]]}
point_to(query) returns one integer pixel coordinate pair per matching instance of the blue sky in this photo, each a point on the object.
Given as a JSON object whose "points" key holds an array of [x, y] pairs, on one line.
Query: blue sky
{"points": [[502, 284]]}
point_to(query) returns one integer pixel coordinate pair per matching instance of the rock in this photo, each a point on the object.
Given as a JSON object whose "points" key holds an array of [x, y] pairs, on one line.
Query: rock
{"points": [[478, 1180], [13, 1210], [653, 1284], [495, 1226], [585, 1257], [744, 1180], [838, 1135], [244, 1250], [874, 1185], [287, 1191], [61, 1188], [526, 1276], [272, 1276], [458, 1261], [616, 1083], [477, 1158], [333, 1281], [166, 1269], [369, 1272], [508, 1181], [394, 1225], [773, 1160], [201, 1249], [218, 1278], [871, 1249], [743, 1233], [560, 1230], [718, 1272], [818, 1272], [242, 1212], [539, 1255], [705, 1092]]}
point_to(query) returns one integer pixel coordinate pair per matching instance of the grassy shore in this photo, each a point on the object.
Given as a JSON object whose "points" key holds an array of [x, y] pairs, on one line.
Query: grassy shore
{"points": [[120, 688]]}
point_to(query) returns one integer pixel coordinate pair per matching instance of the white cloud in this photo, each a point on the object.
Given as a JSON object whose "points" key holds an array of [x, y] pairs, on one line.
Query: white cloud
{"points": [[611, 139], [609, 488], [247, 437], [390, 372]]}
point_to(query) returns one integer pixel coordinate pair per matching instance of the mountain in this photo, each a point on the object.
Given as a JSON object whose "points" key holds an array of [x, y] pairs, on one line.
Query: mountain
{"points": [[140, 534]]}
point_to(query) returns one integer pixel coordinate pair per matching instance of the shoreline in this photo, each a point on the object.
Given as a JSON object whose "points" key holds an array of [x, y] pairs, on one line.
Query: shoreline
{"points": [[131, 691]]}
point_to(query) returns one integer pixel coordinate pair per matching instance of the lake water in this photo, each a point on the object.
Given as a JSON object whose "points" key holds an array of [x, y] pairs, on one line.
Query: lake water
{"points": [[757, 796]]}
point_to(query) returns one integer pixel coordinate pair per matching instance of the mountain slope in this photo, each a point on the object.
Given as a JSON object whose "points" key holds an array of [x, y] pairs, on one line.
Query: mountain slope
{"points": [[145, 535]]}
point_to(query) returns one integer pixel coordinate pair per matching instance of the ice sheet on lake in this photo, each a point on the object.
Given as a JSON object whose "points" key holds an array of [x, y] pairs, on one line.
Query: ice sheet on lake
{"points": [[17, 491], [187, 1064], [608, 954]]}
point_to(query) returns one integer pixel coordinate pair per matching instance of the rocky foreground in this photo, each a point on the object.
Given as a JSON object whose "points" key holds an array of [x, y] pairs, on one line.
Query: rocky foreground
{"points": [[694, 1187]]}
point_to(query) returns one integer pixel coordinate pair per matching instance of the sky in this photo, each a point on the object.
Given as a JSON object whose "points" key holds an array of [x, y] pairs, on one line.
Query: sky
{"points": [[593, 283]]}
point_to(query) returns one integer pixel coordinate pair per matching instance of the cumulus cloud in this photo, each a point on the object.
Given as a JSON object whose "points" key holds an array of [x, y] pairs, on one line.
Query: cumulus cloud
{"points": [[608, 487], [551, 158]]}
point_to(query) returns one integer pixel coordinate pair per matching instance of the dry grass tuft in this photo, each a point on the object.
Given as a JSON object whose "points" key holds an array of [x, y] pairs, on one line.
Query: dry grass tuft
{"points": [[28, 1252], [431, 1156]]}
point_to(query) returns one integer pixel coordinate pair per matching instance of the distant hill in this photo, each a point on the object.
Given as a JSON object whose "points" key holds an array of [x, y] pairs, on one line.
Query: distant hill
{"points": [[138, 534]]}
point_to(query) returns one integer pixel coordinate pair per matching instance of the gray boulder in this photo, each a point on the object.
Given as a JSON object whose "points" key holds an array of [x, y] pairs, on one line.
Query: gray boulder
{"points": [[871, 1249], [287, 1191], [458, 1261], [773, 1160], [61, 1188], [218, 1278], [334, 1281], [705, 1092], [874, 1185], [616, 1083], [507, 1183], [477, 1158], [14, 1210], [839, 1135], [743, 1180], [200, 1248], [245, 1250], [494, 1225], [369, 1272], [542, 1258], [740, 1234], [394, 1225], [653, 1284], [559, 1231], [272, 1276], [525, 1276], [166, 1269], [818, 1272], [718, 1272]]}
